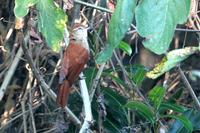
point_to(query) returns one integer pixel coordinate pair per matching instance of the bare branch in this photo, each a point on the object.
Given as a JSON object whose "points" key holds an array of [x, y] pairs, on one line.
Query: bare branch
{"points": [[10, 73], [87, 106], [194, 97], [93, 6]]}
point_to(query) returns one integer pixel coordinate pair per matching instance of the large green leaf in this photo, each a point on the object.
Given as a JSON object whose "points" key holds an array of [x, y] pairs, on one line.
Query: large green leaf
{"points": [[156, 20], [119, 24], [184, 121], [52, 22], [21, 7], [156, 96], [172, 59], [142, 109]]}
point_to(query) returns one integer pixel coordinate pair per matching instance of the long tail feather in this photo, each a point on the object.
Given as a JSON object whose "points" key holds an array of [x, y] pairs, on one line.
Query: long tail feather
{"points": [[63, 93]]}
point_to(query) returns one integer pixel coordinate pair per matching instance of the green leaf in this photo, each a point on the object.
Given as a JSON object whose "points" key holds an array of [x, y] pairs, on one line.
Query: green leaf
{"points": [[138, 72], [125, 47], [156, 20], [116, 79], [52, 23], [104, 55], [21, 7], [172, 59], [176, 95], [193, 116], [172, 106], [156, 96], [119, 24], [184, 120], [142, 109], [116, 114]]}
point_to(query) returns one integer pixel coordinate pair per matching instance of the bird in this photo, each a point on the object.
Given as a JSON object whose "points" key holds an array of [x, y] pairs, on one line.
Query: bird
{"points": [[74, 59]]}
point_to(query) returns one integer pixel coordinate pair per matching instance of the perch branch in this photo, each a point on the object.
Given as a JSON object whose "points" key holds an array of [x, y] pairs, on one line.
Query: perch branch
{"points": [[24, 116], [87, 106]]}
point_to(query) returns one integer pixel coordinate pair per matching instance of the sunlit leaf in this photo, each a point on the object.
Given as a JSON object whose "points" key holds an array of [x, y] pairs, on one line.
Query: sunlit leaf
{"points": [[156, 20], [156, 96], [52, 23], [22, 6], [171, 59]]}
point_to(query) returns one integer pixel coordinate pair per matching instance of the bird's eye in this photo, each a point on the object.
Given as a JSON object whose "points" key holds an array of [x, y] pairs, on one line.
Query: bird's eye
{"points": [[73, 38]]}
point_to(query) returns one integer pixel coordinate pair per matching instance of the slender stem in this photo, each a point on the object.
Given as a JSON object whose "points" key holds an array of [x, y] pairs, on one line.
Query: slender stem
{"points": [[194, 97], [186, 30], [24, 116], [10, 73], [96, 81], [93, 6]]}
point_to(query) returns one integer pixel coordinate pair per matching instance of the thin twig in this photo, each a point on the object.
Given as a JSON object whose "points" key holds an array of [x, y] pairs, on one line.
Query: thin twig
{"points": [[10, 73], [18, 116], [186, 30], [32, 118], [96, 81], [42, 82], [52, 130], [31, 110], [194, 97], [54, 73], [93, 6], [24, 116], [87, 106]]}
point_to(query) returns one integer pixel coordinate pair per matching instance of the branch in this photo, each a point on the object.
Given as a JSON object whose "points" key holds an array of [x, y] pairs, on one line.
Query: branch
{"points": [[24, 116], [87, 106], [18, 116], [96, 81], [186, 82], [92, 5], [42, 82], [10, 73]]}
